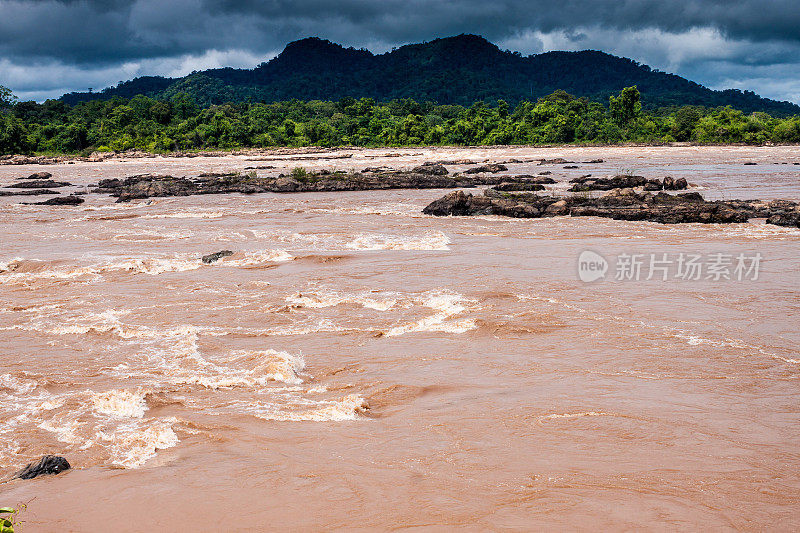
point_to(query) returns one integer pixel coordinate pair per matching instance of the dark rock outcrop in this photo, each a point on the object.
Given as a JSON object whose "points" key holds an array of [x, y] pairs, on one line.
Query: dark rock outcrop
{"points": [[28, 192], [653, 185], [619, 204], [671, 184], [47, 465], [434, 169], [786, 218], [61, 200], [518, 186], [39, 184], [490, 168], [588, 183], [146, 186], [216, 256], [38, 176]]}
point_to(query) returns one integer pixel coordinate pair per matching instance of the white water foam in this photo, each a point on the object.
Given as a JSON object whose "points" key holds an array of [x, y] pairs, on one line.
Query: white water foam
{"points": [[446, 304]]}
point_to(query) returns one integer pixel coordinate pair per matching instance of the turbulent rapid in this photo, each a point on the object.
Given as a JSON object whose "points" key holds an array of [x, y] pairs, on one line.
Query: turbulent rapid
{"points": [[355, 363]]}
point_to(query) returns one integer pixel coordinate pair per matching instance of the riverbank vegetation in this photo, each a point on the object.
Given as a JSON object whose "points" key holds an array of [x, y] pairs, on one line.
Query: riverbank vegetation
{"points": [[178, 124]]}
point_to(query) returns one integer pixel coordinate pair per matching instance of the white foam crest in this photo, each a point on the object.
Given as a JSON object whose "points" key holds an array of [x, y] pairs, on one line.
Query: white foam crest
{"points": [[397, 209], [153, 265], [446, 304], [145, 235], [10, 264], [329, 298], [433, 241], [348, 408], [556, 416], [120, 403], [16, 385], [107, 321], [321, 326], [132, 445], [187, 214], [65, 432], [258, 258], [116, 207], [268, 366], [148, 265]]}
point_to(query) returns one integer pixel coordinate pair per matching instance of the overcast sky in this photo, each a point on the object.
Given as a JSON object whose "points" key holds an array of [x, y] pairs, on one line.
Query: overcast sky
{"points": [[49, 47]]}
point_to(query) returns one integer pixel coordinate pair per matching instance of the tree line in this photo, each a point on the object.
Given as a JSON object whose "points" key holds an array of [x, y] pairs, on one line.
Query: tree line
{"points": [[179, 124]]}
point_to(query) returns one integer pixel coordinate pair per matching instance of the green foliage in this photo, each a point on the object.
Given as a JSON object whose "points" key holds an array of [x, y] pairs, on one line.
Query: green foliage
{"points": [[626, 107], [299, 173], [161, 125], [456, 70], [7, 98], [7, 519]]}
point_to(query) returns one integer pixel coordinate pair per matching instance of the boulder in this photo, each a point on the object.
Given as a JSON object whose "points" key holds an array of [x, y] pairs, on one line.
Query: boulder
{"points": [[653, 185], [518, 186], [434, 169], [39, 176], [786, 218], [216, 256], [490, 168], [61, 200], [586, 183], [47, 465], [455, 203]]}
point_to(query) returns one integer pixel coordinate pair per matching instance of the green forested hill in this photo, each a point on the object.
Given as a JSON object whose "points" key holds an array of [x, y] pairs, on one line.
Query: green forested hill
{"points": [[456, 70]]}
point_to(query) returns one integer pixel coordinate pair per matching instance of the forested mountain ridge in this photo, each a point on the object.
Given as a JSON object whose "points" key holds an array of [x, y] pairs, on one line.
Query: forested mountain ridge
{"points": [[454, 70]]}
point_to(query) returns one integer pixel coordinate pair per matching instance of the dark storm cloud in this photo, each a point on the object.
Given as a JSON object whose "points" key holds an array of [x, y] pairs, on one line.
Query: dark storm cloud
{"points": [[108, 40], [108, 30]]}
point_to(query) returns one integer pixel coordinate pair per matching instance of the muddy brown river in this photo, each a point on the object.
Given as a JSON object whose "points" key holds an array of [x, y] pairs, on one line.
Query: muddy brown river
{"points": [[357, 365]]}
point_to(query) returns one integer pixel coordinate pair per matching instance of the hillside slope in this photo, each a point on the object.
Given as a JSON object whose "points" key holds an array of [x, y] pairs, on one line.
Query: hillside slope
{"points": [[453, 70]]}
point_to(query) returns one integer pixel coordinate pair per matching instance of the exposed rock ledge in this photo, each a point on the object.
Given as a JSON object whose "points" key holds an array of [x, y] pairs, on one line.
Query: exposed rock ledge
{"points": [[619, 204], [146, 186]]}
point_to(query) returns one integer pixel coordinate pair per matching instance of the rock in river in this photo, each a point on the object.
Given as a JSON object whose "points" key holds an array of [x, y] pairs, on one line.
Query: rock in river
{"points": [[216, 256], [49, 464]]}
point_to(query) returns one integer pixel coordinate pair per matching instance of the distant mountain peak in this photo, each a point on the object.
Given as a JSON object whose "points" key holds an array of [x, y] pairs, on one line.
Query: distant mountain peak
{"points": [[460, 69]]}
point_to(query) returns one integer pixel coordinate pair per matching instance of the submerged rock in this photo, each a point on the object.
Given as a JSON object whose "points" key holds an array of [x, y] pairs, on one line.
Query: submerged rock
{"points": [[216, 256], [49, 464]]}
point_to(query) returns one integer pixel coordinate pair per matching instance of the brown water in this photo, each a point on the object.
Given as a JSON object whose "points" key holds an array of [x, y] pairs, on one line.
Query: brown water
{"points": [[357, 365]]}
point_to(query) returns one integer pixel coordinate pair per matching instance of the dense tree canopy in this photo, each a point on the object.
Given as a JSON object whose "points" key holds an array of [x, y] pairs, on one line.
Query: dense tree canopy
{"points": [[454, 70], [159, 125]]}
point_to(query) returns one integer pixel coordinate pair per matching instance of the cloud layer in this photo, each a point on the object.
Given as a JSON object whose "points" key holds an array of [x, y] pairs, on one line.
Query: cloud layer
{"points": [[48, 47]]}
